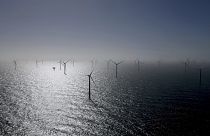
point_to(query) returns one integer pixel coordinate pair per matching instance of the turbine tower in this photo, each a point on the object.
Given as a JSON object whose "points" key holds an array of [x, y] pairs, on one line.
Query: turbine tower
{"points": [[15, 63], [60, 62], [64, 65], [36, 63], [116, 64], [90, 78]]}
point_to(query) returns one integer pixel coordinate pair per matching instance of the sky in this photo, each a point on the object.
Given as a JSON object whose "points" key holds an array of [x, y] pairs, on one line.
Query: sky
{"points": [[146, 29]]}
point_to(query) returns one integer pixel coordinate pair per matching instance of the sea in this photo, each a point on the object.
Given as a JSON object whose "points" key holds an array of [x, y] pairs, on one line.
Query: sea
{"points": [[156, 99]]}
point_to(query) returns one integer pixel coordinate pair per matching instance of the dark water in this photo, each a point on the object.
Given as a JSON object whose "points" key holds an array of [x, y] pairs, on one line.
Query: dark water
{"points": [[157, 101]]}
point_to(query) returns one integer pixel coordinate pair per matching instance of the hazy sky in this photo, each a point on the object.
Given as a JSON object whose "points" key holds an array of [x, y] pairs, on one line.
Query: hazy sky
{"points": [[150, 29]]}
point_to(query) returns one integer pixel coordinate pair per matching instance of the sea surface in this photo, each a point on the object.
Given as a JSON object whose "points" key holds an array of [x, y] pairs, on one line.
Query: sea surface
{"points": [[157, 100]]}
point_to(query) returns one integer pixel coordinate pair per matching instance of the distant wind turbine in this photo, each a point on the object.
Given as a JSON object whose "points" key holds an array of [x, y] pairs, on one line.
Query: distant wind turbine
{"points": [[36, 63], [64, 65], [187, 64], [60, 62], [138, 65], [116, 64], [90, 78], [15, 63], [185, 67]]}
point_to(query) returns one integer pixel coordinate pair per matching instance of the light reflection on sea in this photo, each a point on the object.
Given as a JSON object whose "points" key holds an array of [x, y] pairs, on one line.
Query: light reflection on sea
{"points": [[40, 101]]}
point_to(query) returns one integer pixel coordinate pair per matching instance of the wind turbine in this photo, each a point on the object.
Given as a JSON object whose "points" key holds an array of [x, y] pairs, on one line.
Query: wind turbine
{"points": [[64, 65], [36, 63], [138, 65], [60, 62], [185, 67], [187, 64], [116, 64], [90, 78], [15, 62]]}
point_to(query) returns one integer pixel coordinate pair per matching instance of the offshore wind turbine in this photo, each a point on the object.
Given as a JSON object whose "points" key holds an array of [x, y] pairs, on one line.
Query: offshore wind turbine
{"points": [[64, 65], [60, 62], [116, 64], [138, 65], [90, 78], [187, 64], [15, 63], [36, 63], [185, 67]]}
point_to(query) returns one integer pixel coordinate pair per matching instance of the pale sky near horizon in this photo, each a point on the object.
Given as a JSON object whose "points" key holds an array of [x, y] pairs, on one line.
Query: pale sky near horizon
{"points": [[150, 29]]}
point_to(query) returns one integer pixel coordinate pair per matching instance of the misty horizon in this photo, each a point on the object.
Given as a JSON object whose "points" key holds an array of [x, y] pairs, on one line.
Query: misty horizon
{"points": [[150, 30]]}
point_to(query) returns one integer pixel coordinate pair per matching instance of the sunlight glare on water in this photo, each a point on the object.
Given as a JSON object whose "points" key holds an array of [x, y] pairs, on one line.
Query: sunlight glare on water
{"points": [[41, 101]]}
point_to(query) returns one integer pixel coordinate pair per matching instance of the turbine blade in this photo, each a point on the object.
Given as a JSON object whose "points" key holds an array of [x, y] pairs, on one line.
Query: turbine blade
{"points": [[113, 62], [68, 60], [91, 73], [120, 62], [93, 80]]}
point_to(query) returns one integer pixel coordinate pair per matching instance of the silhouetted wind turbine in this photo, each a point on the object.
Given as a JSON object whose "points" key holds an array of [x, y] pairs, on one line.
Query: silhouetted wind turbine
{"points": [[64, 65], [116, 64], [36, 63], [90, 78], [15, 62], [185, 67], [138, 65], [60, 62]]}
